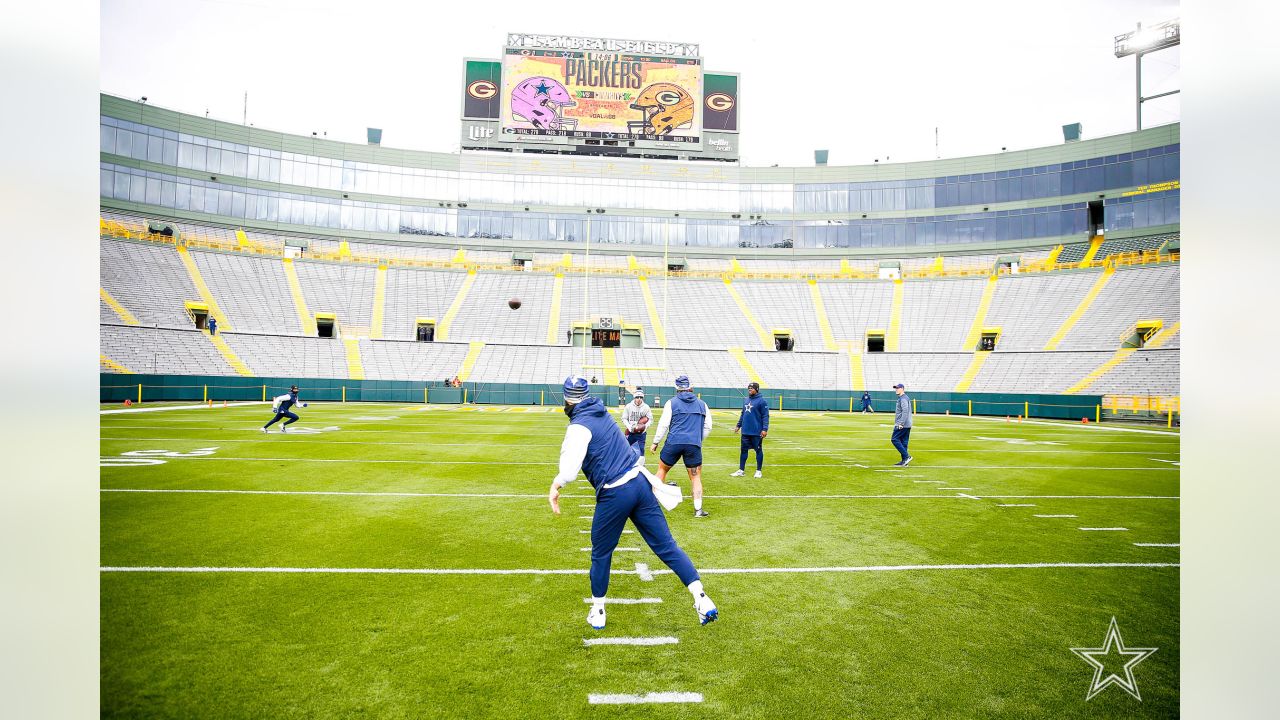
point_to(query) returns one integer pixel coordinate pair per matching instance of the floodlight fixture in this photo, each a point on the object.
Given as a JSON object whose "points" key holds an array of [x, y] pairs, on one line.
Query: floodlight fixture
{"points": [[1149, 39], [1141, 41]]}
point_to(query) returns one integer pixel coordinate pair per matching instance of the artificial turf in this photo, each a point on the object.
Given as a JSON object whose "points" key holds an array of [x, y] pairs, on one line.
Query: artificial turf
{"points": [[434, 487]]}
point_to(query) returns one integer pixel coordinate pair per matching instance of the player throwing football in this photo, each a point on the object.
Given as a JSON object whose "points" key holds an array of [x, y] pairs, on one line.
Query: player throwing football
{"points": [[624, 491]]}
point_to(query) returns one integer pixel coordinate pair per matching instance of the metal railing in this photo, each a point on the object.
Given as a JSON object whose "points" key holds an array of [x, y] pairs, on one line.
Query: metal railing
{"points": [[118, 229]]}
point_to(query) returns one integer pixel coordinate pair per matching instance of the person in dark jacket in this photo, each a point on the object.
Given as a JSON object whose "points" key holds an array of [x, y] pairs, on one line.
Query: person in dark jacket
{"points": [[689, 421], [866, 402], [753, 423], [624, 491], [281, 407]]}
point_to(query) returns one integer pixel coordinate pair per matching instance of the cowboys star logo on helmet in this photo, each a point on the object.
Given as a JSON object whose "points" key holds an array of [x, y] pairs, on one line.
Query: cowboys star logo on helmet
{"points": [[666, 106], [541, 101]]}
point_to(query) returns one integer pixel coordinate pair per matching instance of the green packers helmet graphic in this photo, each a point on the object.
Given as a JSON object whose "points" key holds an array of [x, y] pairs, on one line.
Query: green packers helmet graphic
{"points": [[666, 106]]}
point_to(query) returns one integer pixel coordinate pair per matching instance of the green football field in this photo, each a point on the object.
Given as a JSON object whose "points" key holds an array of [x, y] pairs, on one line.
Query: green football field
{"points": [[402, 561]]}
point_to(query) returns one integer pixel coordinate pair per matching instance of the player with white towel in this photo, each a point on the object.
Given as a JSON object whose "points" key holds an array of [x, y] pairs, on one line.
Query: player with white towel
{"points": [[624, 490]]}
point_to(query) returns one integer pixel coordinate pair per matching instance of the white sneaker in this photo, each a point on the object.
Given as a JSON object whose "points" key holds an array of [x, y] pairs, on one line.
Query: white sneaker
{"points": [[596, 616], [264, 430], [707, 611], [736, 473], [284, 429], [759, 474]]}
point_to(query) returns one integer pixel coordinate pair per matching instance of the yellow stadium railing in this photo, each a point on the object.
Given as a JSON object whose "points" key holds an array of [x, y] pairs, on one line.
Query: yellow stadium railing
{"points": [[139, 231]]}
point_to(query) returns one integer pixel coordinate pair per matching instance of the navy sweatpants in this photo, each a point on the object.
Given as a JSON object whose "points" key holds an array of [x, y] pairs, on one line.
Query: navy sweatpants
{"points": [[901, 436], [636, 441], [634, 501], [747, 444], [286, 414]]}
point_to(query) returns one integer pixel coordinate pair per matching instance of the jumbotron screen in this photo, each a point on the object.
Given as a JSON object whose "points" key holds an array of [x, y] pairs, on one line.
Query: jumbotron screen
{"points": [[608, 96]]}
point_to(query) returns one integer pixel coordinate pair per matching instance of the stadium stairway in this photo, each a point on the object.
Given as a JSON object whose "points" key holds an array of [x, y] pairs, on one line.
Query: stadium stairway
{"points": [[1094, 246], [355, 367], [205, 295], [857, 380], [553, 323], [1120, 356], [125, 316], [379, 304], [975, 365], [895, 319], [112, 365], [741, 356], [766, 339], [1164, 336], [824, 323], [299, 300], [442, 330], [980, 317], [659, 332], [609, 358], [227, 353], [1080, 310], [473, 354]]}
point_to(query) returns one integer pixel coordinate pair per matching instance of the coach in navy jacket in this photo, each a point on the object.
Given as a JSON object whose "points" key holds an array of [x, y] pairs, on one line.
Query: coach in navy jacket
{"points": [[753, 423]]}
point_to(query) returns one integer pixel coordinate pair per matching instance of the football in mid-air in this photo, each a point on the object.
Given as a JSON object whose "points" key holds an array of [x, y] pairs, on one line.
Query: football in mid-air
{"points": [[514, 303]]}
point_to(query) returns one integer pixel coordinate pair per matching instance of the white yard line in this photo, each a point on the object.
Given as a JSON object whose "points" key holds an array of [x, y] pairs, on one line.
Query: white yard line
{"points": [[589, 517], [642, 570], [1157, 544], [123, 411], [1110, 529], [590, 642], [625, 601], [378, 461], [653, 697], [954, 488], [1092, 427], [588, 532], [321, 492]]}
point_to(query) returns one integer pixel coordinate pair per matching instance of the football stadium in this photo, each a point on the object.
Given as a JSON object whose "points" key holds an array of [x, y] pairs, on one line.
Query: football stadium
{"points": [[922, 419]]}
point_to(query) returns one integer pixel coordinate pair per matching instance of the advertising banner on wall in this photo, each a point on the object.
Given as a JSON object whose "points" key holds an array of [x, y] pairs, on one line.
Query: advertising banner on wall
{"points": [[481, 82], [720, 99]]}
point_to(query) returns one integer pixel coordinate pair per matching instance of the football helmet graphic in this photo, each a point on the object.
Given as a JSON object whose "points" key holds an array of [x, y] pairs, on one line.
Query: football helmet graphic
{"points": [[666, 106], [541, 101]]}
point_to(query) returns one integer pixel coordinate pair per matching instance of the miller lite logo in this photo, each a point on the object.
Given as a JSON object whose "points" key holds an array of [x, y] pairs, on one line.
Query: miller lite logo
{"points": [[475, 132]]}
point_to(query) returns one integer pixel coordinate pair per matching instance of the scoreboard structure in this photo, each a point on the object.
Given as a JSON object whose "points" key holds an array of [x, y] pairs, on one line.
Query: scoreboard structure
{"points": [[599, 96]]}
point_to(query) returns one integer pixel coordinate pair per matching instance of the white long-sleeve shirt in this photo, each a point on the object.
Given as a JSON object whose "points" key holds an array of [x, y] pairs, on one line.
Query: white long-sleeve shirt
{"points": [[632, 413], [665, 423], [573, 450]]}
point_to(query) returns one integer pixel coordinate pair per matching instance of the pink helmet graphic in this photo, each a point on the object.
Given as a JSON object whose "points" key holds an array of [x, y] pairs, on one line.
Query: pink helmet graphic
{"points": [[540, 102]]}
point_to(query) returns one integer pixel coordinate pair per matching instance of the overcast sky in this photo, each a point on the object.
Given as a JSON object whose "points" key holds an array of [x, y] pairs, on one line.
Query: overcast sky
{"points": [[866, 80]]}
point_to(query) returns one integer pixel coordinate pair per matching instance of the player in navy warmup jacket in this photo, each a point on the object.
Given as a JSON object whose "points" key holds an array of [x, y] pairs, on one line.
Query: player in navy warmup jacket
{"points": [[624, 491], [754, 426]]}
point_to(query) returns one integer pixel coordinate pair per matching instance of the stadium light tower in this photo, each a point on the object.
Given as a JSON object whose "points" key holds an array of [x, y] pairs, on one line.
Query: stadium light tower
{"points": [[1148, 40]]}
